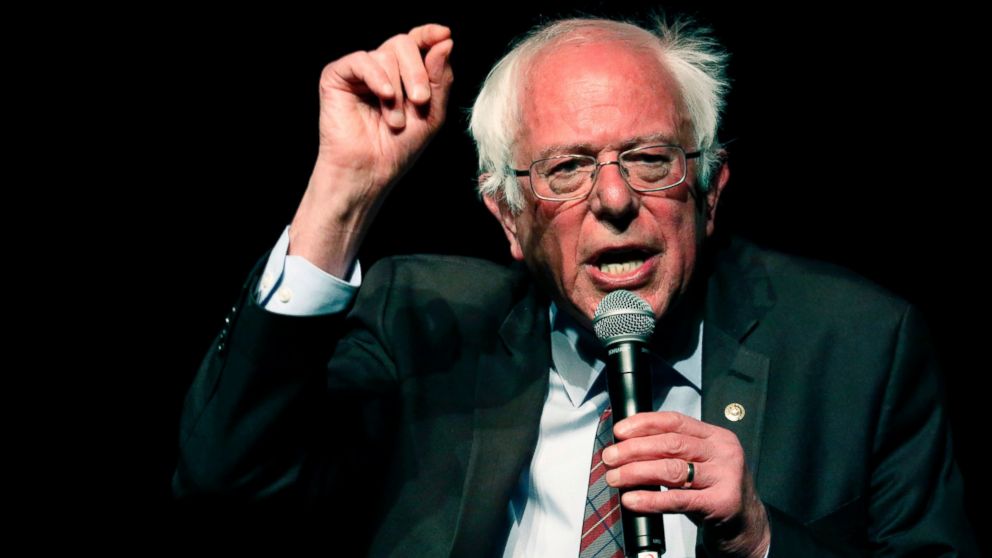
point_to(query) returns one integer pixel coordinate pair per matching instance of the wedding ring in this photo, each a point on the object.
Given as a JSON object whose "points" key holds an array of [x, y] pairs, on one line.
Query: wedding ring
{"points": [[690, 476]]}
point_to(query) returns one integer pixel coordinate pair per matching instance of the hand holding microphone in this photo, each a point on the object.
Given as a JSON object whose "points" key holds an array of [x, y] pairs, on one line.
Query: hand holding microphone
{"points": [[670, 449]]}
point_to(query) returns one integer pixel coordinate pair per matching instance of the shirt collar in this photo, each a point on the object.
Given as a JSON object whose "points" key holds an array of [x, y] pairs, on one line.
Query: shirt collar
{"points": [[575, 351]]}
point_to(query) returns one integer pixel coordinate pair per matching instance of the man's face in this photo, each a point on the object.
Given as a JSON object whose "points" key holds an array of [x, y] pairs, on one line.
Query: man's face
{"points": [[600, 99]]}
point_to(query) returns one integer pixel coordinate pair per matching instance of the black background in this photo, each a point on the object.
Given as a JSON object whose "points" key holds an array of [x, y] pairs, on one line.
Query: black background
{"points": [[848, 146]]}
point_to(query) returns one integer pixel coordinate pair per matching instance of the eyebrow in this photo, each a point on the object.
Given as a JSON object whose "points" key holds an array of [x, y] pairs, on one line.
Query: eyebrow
{"points": [[590, 149]]}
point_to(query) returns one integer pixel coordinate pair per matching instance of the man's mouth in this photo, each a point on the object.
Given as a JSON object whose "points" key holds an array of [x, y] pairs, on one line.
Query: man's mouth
{"points": [[620, 262]]}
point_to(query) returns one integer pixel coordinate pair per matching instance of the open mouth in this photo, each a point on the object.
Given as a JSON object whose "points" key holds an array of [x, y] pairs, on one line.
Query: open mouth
{"points": [[620, 262]]}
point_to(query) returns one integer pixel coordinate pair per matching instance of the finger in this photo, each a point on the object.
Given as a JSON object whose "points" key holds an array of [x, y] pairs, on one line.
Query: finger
{"points": [[646, 448], [668, 501], [359, 73], [645, 424], [673, 473], [426, 36], [411, 67], [392, 109], [439, 72]]}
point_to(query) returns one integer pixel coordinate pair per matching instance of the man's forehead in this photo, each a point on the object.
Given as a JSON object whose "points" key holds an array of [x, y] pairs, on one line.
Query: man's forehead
{"points": [[573, 88], [593, 53]]}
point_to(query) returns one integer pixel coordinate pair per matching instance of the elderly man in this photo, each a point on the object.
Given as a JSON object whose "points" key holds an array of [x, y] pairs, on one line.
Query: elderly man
{"points": [[458, 403]]}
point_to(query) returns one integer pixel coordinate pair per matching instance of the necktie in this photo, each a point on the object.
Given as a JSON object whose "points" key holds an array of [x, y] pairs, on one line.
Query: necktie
{"points": [[602, 532]]}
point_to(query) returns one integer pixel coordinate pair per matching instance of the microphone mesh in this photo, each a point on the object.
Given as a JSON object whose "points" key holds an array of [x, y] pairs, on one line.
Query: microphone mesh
{"points": [[623, 314]]}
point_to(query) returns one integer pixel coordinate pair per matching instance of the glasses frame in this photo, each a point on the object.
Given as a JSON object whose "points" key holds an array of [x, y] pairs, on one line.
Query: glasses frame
{"points": [[528, 172]]}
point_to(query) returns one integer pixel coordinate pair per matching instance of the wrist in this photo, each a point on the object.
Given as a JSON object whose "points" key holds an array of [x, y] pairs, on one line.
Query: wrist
{"points": [[332, 217]]}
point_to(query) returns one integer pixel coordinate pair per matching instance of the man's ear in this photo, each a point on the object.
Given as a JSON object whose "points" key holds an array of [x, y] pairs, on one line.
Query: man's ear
{"points": [[717, 184], [506, 219]]}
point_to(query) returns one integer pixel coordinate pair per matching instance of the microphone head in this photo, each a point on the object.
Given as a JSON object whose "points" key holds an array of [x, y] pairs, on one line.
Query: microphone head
{"points": [[623, 316]]}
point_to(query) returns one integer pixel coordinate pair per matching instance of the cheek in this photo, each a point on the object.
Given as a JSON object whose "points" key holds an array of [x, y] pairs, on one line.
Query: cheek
{"points": [[555, 253], [556, 230], [679, 223]]}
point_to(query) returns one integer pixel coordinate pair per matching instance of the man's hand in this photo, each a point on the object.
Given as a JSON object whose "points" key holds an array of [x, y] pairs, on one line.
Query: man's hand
{"points": [[378, 110], [655, 449]]}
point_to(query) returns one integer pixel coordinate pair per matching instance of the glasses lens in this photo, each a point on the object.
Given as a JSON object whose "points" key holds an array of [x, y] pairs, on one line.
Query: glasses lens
{"points": [[654, 167], [563, 177]]}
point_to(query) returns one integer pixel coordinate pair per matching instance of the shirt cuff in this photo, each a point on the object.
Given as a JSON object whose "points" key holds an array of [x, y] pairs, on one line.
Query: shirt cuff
{"points": [[293, 286]]}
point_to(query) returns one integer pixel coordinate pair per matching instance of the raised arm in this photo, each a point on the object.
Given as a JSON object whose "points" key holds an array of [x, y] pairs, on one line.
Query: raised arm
{"points": [[378, 110], [256, 405]]}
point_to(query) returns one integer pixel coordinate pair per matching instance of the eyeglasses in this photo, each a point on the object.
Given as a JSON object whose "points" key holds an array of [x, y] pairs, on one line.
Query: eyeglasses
{"points": [[645, 169]]}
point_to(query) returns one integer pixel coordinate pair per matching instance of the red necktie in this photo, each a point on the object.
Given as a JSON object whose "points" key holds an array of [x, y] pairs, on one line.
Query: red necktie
{"points": [[602, 532]]}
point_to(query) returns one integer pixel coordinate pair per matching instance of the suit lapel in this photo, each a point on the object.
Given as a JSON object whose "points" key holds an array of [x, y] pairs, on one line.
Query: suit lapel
{"points": [[735, 380], [735, 377], [512, 383]]}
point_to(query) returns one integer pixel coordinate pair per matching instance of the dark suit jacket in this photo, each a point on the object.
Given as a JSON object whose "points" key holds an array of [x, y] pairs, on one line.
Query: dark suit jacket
{"points": [[421, 408]]}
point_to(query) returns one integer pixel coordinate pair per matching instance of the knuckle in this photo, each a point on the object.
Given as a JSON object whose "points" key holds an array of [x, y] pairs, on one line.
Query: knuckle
{"points": [[384, 58], [673, 445], [671, 421], [638, 423], [673, 470], [390, 42], [682, 501], [330, 69], [402, 41]]}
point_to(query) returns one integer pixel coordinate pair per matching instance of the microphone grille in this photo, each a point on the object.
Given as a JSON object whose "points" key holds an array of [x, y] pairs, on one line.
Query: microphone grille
{"points": [[622, 315]]}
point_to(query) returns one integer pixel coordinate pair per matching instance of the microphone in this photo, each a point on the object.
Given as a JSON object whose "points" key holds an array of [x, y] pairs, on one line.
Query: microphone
{"points": [[623, 323]]}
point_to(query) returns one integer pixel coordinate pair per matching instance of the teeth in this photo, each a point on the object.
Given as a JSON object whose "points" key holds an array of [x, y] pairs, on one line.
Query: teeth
{"points": [[620, 268]]}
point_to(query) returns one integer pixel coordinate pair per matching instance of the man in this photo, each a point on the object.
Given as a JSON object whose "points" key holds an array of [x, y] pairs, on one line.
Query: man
{"points": [[790, 420]]}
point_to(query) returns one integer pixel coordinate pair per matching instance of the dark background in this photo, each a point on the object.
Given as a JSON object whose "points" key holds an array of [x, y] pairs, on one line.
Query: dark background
{"points": [[847, 147]]}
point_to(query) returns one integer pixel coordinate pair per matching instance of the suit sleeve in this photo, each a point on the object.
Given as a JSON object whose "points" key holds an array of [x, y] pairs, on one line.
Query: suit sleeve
{"points": [[266, 399], [915, 497], [916, 504]]}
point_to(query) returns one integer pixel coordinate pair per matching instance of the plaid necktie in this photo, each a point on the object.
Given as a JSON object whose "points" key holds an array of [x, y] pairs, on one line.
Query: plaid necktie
{"points": [[602, 532]]}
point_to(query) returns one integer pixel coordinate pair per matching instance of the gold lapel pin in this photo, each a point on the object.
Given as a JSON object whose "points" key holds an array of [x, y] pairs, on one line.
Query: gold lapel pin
{"points": [[734, 412]]}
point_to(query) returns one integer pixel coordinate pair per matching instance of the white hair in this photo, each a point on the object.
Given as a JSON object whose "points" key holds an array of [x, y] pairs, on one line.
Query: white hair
{"points": [[695, 59]]}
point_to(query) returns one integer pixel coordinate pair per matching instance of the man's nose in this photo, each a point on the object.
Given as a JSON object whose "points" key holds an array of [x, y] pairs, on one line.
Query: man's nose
{"points": [[612, 200]]}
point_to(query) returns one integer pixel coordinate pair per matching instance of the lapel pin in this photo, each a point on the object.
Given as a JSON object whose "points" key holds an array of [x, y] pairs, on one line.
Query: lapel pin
{"points": [[734, 412]]}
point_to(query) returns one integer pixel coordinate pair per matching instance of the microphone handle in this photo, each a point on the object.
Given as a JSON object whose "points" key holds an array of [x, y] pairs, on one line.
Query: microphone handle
{"points": [[628, 375]]}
